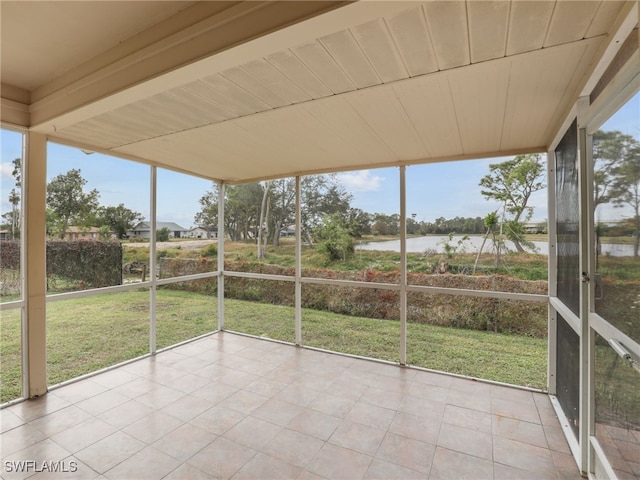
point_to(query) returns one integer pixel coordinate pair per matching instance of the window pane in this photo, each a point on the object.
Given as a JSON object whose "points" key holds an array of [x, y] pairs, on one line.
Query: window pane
{"points": [[463, 232], [344, 218], [90, 333], [489, 338], [616, 155], [568, 372], [617, 409], [568, 219], [185, 310], [358, 321], [94, 204], [10, 355], [183, 246], [10, 215], [260, 307]]}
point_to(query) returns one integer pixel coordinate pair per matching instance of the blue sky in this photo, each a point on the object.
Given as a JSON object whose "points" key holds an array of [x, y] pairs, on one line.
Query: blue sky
{"points": [[437, 190]]}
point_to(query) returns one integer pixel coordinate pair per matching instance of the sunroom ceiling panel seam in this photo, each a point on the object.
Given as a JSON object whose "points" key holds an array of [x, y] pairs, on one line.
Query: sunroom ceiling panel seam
{"points": [[318, 60], [345, 51], [300, 74], [430, 109], [246, 80], [488, 27], [337, 115], [379, 47], [447, 23], [570, 22], [479, 97], [528, 26], [276, 81], [411, 35]]}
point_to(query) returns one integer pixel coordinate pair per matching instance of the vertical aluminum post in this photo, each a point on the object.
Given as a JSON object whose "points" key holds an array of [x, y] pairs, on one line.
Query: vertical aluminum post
{"points": [[221, 256], [24, 339], [153, 268], [35, 273], [298, 286], [586, 338], [552, 275], [403, 267]]}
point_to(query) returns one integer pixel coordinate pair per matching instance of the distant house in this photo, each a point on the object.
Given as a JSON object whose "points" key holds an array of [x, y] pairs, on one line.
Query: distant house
{"points": [[535, 227], [82, 233], [203, 232], [5, 234], [143, 230], [288, 232]]}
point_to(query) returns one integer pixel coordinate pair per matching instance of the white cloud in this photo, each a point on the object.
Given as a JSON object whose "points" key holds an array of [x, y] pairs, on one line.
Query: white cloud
{"points": [[361, 181], [6, 169]]}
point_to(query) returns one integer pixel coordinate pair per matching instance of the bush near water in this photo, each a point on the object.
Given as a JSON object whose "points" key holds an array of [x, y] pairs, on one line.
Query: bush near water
{"points": [[470, 312]]}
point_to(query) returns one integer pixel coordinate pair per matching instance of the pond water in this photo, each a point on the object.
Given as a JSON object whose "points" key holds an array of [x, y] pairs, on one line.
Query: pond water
{"points": [[472, 245]]}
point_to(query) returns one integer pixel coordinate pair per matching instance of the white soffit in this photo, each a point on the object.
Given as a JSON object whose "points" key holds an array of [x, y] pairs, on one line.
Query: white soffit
{"points": [[396, 83], [69, 39]]}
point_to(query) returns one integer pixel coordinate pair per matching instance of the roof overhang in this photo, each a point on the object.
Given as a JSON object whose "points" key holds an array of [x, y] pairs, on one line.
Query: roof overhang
{"points": [[242, 91]]}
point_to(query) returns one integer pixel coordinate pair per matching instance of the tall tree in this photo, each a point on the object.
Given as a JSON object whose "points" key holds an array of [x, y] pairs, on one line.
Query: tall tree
{"points": [[263, 224], [283, 206], [512, 183], [207, 217], [68, 202], [119, 219], [358, 222], [242, 210], [625, 188], [609, 151], [321, 195], [13, 217]]}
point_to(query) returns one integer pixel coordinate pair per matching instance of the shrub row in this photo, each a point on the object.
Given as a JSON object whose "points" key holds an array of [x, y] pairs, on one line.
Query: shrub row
{"points": [[471, 312], [91, 263], [10, 254]]}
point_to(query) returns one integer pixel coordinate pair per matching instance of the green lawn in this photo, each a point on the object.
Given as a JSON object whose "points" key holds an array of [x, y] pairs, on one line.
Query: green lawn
{"points": [[90, 333]]}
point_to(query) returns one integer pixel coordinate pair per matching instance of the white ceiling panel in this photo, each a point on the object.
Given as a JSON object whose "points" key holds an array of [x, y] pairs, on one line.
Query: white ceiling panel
{"points": [[449, 32], [318, 60], [528, 25], [276, 81], [299, 74], [604, 17], [233, 98], [479, 97], [241, 77], [411, 35], [430, 108], [346, 52], [488, 26], [570, 21], [358, 85], [342, 120], [58, 51], [377, 43], [538, 90], [385, 115]]}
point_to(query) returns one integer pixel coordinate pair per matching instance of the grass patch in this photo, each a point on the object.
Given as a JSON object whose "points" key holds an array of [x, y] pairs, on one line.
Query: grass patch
{"points": [[10, 355], [513, 359], [87, 334]]}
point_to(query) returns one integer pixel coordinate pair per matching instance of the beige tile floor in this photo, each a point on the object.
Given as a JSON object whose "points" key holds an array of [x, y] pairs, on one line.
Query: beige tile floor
{"points": [[229, 406]]}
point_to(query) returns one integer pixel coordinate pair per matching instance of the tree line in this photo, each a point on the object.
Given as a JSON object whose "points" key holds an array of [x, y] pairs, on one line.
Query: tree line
{"points": [[263, 212], [69, 205]]}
